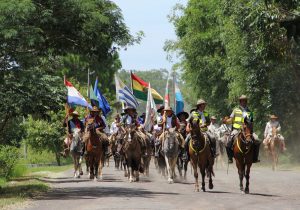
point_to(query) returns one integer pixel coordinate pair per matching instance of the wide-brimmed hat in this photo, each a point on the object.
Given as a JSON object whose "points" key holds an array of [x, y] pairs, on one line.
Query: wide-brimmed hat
{"points": [[201, 101], [243, 97], [128, 108], [95, 109], [161, 108], [168, 108], [213, 118], [273, 116], [75, 113], [186, 115]]}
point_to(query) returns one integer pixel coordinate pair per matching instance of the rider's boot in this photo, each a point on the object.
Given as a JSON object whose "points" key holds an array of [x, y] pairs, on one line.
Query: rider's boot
{"points": [[229, 151], [185, 155], [256, 146]]}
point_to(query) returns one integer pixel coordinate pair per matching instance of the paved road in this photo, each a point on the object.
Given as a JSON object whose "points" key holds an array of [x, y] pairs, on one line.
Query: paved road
{"points": [[268, 190]]}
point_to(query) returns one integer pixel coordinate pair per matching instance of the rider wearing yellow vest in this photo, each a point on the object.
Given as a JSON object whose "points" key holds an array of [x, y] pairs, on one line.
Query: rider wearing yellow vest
{"points": [[204, 121], [237, 119]]}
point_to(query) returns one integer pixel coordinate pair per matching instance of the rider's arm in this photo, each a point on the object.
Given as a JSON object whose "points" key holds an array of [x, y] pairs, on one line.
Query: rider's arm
{"points": [[278, 127]]}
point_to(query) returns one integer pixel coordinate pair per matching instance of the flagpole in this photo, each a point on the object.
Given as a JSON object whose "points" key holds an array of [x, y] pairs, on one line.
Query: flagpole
{"points": [[131, 81], [88, 85], [174, 94]]}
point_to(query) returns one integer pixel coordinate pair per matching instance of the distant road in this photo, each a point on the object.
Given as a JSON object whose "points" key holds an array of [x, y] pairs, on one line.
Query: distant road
{"points": [[268, 190]]}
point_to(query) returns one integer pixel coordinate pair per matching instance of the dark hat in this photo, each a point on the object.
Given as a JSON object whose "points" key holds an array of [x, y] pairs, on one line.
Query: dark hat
{"points": [[186, 115], [129, 107], [161, 108], [95, 109], [193, 110]]}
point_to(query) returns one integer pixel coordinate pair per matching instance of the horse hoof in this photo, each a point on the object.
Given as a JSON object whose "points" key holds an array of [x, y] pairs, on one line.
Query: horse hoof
{"points": [[211, 186], [242, 189], [203, 189], [246, 191], [137, 179], [81, 173], [170, 181], [131, 180], [91, 177], [197, 190], [95, 179]]}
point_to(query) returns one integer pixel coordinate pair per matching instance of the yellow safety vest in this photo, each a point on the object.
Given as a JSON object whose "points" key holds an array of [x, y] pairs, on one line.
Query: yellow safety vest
{"points": [[197, 116]]}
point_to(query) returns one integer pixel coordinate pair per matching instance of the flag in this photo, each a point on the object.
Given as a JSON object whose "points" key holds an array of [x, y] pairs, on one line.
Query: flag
{"points": [[178, 99], [124, 95], [140, 90], [167, 95], [151, 112], [74, 97], [93, 97], [103, 104]]}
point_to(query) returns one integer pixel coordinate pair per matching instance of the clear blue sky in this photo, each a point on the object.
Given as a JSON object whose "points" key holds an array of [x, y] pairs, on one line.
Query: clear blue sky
{"points": [[149, 16]]}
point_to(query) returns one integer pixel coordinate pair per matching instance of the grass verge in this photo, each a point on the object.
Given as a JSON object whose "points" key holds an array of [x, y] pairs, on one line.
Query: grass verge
{"points": [[14, 192]]}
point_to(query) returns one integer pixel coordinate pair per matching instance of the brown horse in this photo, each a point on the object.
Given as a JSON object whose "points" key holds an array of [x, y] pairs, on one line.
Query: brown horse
{"points": [[133, 153], [116, 144], [274, 148], [94, 149], [200, 156], [243, 153]]}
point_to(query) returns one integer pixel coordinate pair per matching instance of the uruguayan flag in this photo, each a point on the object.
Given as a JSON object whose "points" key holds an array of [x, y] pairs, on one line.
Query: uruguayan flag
{"points": [[123, 94]]}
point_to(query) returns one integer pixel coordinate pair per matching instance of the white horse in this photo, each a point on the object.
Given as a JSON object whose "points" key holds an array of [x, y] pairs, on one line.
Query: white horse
{"points": [[75, 150], [170, 147]]}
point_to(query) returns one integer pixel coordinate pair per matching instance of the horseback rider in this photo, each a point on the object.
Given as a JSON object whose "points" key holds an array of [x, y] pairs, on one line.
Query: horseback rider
{"points": [[204, 120], [71, 125], [99, 126], [273, 123], [237, 118], [170, 120], [182, 116], [115, 126], [130, 118]]}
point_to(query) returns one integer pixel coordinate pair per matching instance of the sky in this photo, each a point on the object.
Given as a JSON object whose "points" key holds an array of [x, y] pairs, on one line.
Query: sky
{"points": [[149, 16]]}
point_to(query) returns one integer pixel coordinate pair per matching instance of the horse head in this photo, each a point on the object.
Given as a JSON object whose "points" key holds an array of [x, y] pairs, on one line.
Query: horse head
{"points": [[129, 132], [170, 145], [90, 124], [247, 129]]}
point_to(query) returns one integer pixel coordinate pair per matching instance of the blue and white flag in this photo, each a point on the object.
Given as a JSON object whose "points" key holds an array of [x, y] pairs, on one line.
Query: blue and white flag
{"points": [[103, 104], [124, 94]]}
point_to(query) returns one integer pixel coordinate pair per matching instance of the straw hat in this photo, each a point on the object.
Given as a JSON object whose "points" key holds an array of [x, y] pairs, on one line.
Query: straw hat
{"points": [[168, 108], [243, 97], [213, 118], [128, 108], [201, 101], [75, 113], [273, 116], [95, 109]]}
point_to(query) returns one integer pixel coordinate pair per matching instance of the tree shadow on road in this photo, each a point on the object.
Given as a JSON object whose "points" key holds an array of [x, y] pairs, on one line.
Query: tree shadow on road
{"points": [[99, 192]]}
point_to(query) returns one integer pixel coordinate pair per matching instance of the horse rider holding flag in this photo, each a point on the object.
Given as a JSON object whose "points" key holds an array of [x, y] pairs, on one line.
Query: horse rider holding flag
{"points": [[204, 121], [237, 118]]}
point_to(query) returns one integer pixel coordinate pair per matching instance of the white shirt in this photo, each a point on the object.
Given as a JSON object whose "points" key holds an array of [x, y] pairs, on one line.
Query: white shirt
{"points": [[128, 120], [106, 129], [169, 122], [269, 126], [113, 128]]}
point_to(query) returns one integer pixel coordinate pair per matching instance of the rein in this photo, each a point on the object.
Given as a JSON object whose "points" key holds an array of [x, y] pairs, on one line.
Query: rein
{"points": [[243, 141], [200, 151]]}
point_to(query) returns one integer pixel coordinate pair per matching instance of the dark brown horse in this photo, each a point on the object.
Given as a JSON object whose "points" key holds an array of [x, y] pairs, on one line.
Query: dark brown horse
{"points": [[94, 149], [243, 153], [200, 156], [133, 153]]}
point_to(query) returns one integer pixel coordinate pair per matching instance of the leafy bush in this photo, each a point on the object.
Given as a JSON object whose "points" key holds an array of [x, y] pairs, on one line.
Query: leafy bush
{"points": [[8, 158]]}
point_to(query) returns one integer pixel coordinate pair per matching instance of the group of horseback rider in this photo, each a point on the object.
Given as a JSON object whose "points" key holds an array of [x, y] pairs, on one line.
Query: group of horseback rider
{"points": [[181, 123]]}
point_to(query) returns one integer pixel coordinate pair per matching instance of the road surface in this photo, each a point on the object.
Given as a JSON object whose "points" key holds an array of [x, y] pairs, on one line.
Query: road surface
{"points": [[268, 190]]}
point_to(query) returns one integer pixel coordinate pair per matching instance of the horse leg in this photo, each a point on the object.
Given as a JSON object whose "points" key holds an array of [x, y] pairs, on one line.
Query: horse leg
{"points": [[194, 165], [210, 172], [131, 175], [101, 164], [241, 171], [185, 168], [247, 176], [170, 180], [91, 164], [202, 171]]}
